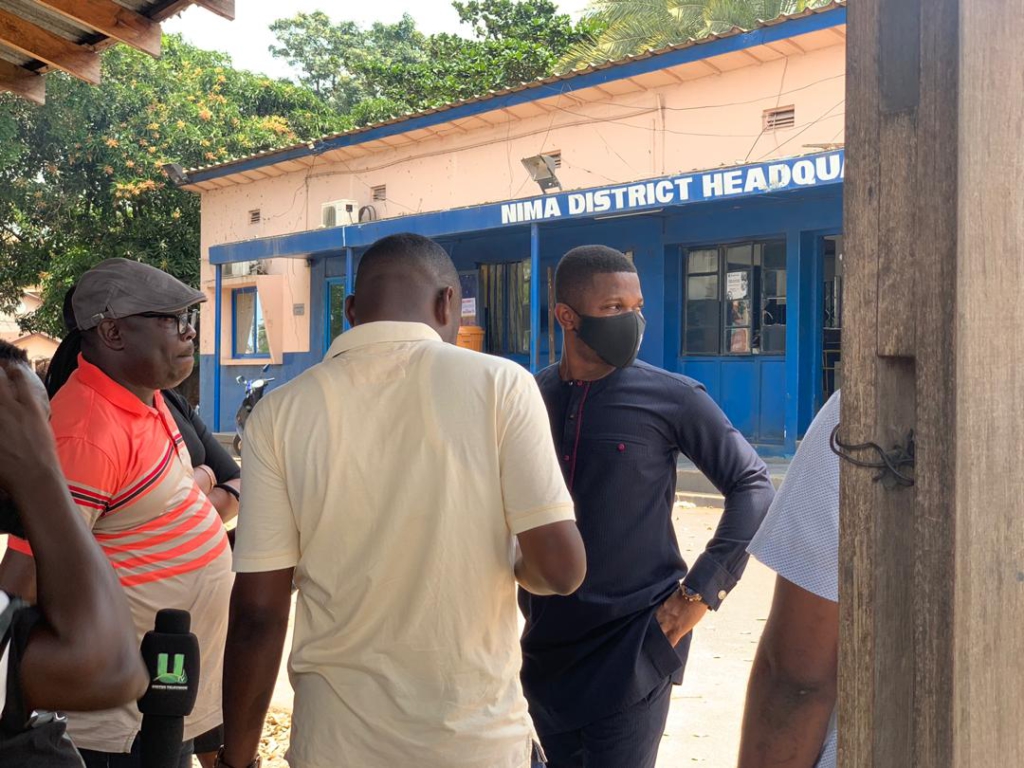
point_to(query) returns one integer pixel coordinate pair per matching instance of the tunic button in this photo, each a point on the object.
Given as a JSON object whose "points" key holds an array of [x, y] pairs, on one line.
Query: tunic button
{"points": [[572, 417], [565, 458], [722, 595], [622, 447]]}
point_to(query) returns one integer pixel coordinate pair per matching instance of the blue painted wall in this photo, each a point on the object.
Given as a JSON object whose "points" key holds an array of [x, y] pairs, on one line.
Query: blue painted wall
{"points": [[770, 399]]}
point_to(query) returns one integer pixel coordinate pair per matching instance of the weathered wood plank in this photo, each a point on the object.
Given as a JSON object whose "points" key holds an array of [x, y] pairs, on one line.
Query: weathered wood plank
{"points": [[45, 46], [225, 8], [935, 518], [857, 544], [989, 343], [111, 19], [22, 82], [898, 246]]}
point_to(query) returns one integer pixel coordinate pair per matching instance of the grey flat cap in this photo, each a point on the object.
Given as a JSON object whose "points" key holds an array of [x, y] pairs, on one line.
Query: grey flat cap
{"points": [[118, 288]]}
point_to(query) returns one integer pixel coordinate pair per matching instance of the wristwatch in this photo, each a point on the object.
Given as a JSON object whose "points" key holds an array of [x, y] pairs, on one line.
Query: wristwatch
{"points": [[690, 595], [219, 762]]}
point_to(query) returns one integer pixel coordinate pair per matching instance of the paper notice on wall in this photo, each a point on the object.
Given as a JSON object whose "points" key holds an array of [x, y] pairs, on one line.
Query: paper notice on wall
{"points": [[736, 285], [469, 307]]}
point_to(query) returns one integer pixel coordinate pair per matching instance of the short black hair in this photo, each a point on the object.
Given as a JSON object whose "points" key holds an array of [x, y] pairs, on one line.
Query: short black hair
{"points": [[407, 249], [12, 354], [578, 267]]}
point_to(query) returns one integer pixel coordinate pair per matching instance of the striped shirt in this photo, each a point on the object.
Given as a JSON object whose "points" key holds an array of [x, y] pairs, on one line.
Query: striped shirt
{"points": [[130, 474], [799, 538]]}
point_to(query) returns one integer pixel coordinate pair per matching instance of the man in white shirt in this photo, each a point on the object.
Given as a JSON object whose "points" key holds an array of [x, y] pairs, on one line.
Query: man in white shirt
{"points": [[790, 715], [406, 485]]}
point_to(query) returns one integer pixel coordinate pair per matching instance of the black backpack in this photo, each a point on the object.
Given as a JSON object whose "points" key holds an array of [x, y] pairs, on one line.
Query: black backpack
{"points": [[27, 739]]}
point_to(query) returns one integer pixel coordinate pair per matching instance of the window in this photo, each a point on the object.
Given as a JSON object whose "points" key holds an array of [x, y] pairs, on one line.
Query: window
{"points": [[734, 299], [335, 310], [380, 193], [779, 119], [506, 307], [249, 331], [254, 216]]}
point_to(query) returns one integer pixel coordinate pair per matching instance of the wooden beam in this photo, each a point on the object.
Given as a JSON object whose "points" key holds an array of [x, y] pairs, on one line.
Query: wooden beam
{"points": [[225, 8], [931, 577], [38, 43], [22, 82], [113, 20]]}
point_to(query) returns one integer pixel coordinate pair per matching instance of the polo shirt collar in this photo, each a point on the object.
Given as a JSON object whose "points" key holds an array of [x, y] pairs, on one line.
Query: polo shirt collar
{"points": [[381, 333], [91, 376]]}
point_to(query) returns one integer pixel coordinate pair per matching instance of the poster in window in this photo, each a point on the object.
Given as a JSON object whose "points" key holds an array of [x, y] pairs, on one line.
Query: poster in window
{"points": [[737, 285], [739, 341], [739, 313]]}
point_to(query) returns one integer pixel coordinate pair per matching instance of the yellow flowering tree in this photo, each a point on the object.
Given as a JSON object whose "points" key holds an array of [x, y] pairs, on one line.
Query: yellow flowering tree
{"points": [[81, 178]]}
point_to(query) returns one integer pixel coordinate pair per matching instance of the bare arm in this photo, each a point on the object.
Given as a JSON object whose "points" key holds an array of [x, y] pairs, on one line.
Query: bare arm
{"points": [[792, 690], [85, 654], [224, 502], [260, 604], [552, 560]]}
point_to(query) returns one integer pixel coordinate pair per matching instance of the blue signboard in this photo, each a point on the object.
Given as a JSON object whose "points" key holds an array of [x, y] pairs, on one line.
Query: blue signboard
{"points": [[743, 181]]}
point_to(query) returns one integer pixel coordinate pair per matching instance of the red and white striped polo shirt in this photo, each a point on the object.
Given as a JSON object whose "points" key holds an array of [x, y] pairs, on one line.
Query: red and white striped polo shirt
{"points": [[131, 476]]}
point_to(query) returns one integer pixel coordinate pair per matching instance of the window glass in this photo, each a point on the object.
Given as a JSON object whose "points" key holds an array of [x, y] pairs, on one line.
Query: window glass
{"points": [[703, 261], [336, 310], [703, 288], [505, 292], [735, 299], [250, 330]]}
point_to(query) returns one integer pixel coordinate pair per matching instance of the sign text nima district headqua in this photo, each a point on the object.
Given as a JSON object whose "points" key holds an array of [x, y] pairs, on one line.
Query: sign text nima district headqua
{"points": [[829, 168]]}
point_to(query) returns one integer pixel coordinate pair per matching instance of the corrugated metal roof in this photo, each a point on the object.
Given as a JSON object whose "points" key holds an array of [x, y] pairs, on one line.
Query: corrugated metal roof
{"points": [[534, 84]]}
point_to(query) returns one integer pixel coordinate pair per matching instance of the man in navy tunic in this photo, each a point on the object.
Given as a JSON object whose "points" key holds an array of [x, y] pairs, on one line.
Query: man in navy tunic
{"points": [[599, 665]]}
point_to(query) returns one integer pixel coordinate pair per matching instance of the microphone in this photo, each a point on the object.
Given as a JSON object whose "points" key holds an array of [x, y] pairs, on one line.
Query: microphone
{"points": [[171, 653]]}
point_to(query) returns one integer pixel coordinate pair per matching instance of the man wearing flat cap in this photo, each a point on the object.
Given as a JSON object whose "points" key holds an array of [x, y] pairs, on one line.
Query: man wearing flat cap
{"points": [[130, 474]]}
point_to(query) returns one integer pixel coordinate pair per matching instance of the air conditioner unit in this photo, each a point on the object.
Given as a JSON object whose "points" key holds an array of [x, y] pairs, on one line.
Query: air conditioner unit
{"points": [[245, 269], [339, 213]]}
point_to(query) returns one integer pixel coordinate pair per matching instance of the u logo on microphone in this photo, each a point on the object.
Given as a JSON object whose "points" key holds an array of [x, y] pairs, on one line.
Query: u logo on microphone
{"points": [[176, 677]]}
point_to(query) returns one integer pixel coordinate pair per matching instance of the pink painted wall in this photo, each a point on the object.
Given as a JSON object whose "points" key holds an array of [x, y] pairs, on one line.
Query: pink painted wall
{"points": [[711, 120]]}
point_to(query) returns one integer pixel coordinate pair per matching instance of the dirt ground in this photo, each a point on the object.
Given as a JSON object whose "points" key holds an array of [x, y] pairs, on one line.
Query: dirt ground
{"points": [[704, 722]]}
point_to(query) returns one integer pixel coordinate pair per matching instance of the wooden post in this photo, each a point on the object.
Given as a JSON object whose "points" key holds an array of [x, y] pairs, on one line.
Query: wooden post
{"points": [[932, 577]]}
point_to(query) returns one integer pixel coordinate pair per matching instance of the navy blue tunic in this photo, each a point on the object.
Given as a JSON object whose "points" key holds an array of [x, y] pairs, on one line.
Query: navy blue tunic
{"points": [[600, 650]]}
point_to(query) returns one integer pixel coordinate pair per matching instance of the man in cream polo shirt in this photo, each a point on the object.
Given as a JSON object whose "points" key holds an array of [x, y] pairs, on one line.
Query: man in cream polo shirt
{"points": [[406, 485]]}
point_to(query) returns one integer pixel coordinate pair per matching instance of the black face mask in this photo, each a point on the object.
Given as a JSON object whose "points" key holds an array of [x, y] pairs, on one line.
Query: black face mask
{"points": [[616, 339]]}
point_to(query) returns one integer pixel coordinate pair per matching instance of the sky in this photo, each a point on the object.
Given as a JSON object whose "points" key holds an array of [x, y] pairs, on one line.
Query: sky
{"points": [[247, 38]]}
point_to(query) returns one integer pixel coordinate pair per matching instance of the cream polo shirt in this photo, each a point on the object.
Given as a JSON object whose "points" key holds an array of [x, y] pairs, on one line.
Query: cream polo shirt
{"points": [[393, 476]]}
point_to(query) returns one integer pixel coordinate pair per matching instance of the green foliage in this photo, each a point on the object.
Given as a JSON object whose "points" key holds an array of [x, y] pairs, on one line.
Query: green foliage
{"points": [[392, 69], [81, 178], [629, 27]]}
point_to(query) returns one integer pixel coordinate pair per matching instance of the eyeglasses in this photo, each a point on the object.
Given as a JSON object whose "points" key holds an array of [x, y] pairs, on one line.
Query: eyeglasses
{"points": [[185, 320]]}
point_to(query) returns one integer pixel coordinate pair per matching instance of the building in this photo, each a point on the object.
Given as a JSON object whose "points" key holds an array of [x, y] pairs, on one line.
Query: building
{"points": [[717, 165], [38, 346]]}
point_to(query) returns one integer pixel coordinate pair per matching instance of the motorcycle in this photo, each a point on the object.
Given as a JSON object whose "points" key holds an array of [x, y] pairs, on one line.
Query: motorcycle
{"points": [[254, 391]]}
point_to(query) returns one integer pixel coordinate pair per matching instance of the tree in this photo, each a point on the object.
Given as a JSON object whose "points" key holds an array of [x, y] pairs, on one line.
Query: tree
{"points": [[629, 27], [389, 70], [333, 59], [81, 178]]}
